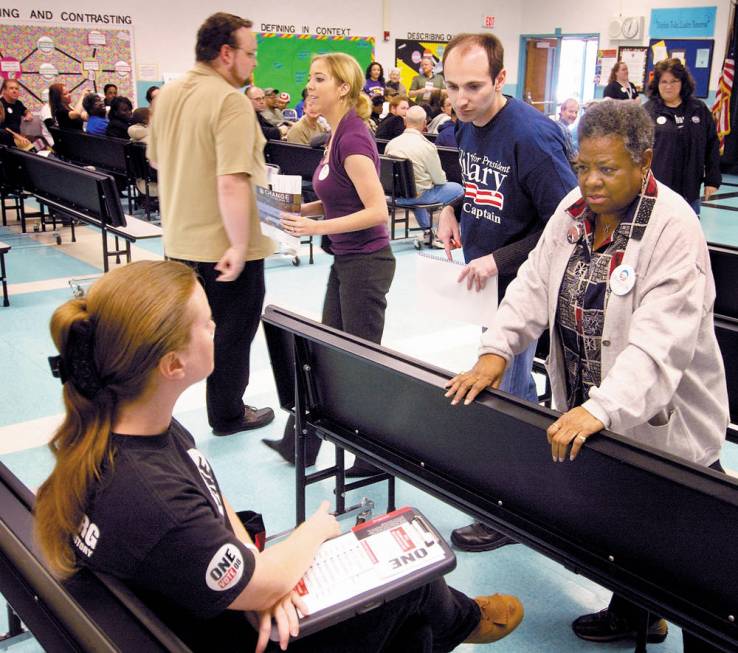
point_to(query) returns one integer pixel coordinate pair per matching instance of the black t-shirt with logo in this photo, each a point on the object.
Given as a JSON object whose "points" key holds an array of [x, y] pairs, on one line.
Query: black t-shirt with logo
{"points": [[13, 114], [156, 520]]}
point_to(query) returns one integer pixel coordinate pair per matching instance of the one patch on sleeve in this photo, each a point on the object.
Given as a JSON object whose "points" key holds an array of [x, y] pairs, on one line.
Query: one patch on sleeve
{"points": [[225, 568]]}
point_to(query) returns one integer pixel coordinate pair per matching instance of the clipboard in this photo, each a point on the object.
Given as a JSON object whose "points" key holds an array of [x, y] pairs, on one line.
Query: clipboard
{"points": [[373, 563]]}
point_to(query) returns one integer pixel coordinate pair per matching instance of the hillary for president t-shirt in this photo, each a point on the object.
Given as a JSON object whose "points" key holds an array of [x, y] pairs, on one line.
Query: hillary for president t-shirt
{"points": [[515, 173]]}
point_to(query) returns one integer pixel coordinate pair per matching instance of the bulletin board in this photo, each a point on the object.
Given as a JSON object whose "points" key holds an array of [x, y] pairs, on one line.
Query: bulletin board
{"points": [[79, 57], [635, 56], [698, 56], [284, 59]]}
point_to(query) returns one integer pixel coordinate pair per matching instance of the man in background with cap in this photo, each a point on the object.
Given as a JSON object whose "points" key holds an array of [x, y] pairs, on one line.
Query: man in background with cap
{"points": [[283, 99], [272, 113], [258, 100]]}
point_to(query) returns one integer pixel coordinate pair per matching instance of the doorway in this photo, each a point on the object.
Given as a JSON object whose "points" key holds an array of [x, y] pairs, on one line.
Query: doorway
{"points": [[540, 67], [555, 67], [576, 71]]}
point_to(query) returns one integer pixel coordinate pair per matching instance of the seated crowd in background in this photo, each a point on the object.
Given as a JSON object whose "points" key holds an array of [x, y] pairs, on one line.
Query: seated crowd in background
{"points": [[431, 184], [119, 117], [97, 116]]}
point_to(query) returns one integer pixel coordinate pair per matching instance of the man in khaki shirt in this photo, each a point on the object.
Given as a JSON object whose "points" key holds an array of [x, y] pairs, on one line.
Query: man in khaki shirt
{"points": [[426, 87], [430, 179], [307, 127], [208, 147]]}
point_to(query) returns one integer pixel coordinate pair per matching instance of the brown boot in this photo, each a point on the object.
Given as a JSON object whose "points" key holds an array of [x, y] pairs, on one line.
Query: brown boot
{"points": [[501, 614]]}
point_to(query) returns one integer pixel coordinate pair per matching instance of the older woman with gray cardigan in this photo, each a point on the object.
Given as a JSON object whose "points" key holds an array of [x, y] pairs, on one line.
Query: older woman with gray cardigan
{"points": [[621, 279]]}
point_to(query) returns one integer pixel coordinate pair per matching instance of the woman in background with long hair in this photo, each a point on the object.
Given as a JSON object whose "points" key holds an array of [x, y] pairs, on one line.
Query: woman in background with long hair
{"points": [[64, 114]]}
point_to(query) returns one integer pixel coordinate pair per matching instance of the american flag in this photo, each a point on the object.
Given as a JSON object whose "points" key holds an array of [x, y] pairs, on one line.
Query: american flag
{"points": [[483, 196], [721, 108]]}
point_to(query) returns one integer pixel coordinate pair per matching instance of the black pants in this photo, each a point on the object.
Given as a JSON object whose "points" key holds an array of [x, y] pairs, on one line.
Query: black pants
{"points": [[356, 299], [236, 307], [634, 613], [431, 619], [356, 296]]}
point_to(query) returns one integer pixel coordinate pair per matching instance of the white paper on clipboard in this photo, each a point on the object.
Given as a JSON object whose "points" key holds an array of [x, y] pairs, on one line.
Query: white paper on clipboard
{"points": [[291, 184], [439, 292]]}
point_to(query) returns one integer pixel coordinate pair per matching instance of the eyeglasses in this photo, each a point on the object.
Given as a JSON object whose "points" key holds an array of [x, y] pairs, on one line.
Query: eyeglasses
{"points": [[251, 54]]}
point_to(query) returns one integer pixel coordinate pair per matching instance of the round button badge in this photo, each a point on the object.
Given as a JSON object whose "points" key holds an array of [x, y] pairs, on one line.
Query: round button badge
{"points": [[622, 280], [323, 172], [574, 233], [661, 120]]}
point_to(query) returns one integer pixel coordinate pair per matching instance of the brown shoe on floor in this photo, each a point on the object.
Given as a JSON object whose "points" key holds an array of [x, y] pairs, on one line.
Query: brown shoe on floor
{"points": [[501, 614]]}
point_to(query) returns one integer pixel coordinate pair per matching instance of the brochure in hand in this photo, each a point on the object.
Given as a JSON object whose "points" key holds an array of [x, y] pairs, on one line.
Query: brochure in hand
{"points": [[270, 204]]}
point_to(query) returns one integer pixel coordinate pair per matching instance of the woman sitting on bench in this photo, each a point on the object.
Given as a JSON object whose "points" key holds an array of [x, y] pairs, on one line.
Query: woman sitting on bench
{"points": [[131, 496], [65, 115]]}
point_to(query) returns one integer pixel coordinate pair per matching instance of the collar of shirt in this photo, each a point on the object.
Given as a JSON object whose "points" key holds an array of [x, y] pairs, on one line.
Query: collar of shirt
{"points": [[201, 68]]}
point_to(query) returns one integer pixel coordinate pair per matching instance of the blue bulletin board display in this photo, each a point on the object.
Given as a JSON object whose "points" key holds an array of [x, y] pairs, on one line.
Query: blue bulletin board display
{"points": [[682, 22], [697, 55], [142, 87]]}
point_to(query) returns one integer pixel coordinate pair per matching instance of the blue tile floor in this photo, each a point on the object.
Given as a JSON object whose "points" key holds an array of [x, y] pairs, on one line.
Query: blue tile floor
{"points": [[253, 476]]}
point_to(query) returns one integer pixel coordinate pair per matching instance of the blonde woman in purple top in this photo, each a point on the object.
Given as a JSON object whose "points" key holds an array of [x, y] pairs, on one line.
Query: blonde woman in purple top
{"points": [[353, 203]]}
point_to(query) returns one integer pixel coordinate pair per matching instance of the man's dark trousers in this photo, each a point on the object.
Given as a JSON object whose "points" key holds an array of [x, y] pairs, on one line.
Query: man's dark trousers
{"points": [[236, 307]]}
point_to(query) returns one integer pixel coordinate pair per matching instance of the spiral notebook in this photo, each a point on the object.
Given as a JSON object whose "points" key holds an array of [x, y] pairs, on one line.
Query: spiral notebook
{"points": [[439, 291]]}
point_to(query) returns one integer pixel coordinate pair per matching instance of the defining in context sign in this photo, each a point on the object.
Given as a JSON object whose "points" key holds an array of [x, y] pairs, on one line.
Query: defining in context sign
{"points": [[683, 22]]}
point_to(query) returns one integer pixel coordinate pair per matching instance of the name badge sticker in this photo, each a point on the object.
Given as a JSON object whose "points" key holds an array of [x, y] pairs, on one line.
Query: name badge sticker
{"points": [[622, 280]]}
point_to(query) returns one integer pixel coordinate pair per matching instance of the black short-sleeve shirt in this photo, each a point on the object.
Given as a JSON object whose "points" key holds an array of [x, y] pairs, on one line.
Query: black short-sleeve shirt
{"points": [[65, 122], [13, 114], [156, 520], [617, 91]]}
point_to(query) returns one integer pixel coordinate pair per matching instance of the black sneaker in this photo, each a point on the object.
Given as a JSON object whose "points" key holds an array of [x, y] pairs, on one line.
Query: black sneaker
{"points": [[606, 626], [479, 537], [253, 418]]}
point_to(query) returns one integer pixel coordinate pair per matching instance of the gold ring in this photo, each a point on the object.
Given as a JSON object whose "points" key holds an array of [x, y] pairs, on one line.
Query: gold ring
{"points": [[581, 439]]}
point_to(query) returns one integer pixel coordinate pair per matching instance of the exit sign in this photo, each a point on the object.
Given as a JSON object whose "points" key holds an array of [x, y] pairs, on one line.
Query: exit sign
{"points": [[488, 21]]}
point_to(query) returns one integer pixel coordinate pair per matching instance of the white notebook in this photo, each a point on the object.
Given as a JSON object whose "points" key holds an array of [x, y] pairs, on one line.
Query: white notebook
{"points": [[440, 293]]}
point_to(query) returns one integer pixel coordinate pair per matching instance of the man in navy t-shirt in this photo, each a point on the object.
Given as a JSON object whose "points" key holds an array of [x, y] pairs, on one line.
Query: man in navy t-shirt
{"points": [[515, 173]]}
